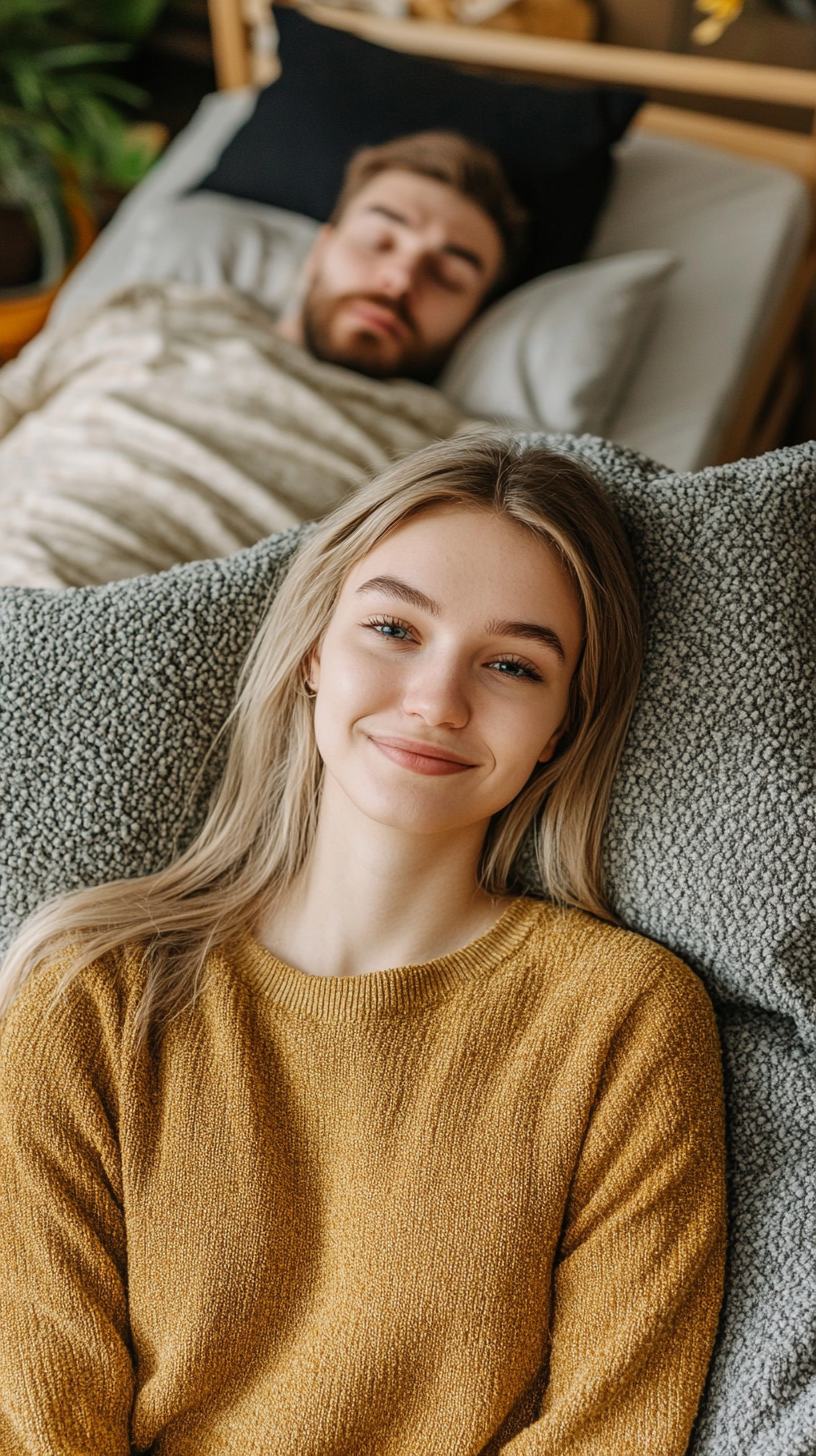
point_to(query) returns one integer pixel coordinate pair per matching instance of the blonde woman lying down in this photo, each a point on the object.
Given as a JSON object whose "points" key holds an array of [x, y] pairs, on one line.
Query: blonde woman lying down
{"points": [[324, 1142]]}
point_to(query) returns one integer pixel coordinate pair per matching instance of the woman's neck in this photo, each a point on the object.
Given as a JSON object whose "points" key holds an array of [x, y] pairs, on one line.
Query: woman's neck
{"points": [[371, 897]]}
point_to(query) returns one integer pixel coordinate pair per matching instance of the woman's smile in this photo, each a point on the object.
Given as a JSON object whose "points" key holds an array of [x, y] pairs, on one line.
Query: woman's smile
{"points": [[419, 757]]}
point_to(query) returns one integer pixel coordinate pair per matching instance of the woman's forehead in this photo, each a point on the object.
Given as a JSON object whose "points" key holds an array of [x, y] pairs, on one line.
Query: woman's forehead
{"points": [[450, 535], [466, 558]]}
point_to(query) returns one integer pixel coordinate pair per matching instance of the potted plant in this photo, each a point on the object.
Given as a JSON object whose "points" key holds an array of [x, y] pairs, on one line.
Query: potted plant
{"points": [[63, 134]]}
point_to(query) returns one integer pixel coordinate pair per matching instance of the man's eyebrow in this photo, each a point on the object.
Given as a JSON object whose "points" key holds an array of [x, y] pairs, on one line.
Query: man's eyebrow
{"points": [[391, 586], [456, 250], [388, 212], [532, 632]]}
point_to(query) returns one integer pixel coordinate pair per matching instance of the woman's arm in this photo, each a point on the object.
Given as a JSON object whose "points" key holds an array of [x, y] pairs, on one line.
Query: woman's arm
{"points": [[638, 1280], [66, 1375]]}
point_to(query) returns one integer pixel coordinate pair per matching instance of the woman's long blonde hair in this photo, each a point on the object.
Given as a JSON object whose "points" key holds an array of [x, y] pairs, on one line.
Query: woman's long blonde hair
{"points": [[263, 815]]}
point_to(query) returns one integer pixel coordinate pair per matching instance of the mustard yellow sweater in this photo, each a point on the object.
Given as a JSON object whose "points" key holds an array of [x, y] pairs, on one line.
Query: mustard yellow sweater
{"points": [[457, 1209]]}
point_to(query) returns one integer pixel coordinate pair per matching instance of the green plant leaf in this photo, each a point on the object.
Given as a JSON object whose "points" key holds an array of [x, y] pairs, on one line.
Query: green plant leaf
{"points": [[129, 19], [14, 10], [29, 180], [57, 90], [120, 90], [67, 57]]}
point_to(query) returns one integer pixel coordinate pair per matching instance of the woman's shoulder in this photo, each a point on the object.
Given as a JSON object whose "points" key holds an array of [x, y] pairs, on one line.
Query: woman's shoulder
{"points": [[59, 1005], [609, 958]]}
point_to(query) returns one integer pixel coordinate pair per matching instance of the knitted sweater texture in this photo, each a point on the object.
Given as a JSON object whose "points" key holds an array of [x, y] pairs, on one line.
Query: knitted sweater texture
{"points": [[459, 1209]]}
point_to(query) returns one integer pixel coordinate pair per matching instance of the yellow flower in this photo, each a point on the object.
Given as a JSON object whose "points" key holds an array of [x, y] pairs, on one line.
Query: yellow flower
{"points": [[720, 13]]}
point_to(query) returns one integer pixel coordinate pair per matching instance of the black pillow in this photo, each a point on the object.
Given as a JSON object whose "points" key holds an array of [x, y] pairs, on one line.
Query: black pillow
{"points": [[337, 93]]}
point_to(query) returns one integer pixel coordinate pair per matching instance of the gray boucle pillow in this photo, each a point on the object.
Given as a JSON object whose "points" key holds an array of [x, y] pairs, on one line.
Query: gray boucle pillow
{"points": [[111, 696], [711, 849]]}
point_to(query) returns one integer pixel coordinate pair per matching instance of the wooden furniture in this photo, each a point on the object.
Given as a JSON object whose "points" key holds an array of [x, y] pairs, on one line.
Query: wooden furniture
{"points": [[243, 43], [662, 25], [566, 19]]}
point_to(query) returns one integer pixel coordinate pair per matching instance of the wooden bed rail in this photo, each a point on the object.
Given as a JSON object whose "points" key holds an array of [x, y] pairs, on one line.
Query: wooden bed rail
{"points": [[235, 21], [580, 60]]}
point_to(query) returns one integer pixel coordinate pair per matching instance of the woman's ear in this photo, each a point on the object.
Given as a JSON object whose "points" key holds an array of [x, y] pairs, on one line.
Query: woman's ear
{"points": [[548, 751], [311, 671], [550, 746]]}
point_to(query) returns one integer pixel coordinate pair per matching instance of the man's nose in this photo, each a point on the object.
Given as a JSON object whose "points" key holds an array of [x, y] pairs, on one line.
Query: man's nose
{"points": [[396, 274], [437, 692]]}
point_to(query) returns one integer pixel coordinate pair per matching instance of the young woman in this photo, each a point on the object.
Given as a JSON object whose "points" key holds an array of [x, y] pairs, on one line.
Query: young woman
{"points": [[323, 1142]]}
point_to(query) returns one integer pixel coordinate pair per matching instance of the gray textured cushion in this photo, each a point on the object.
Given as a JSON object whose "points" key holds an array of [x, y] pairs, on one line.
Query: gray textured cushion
{"points": [[110, 696], [711, 849]]}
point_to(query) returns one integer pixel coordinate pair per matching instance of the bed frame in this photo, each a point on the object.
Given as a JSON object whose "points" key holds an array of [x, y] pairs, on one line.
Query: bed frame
{"points": [[244, 44]]}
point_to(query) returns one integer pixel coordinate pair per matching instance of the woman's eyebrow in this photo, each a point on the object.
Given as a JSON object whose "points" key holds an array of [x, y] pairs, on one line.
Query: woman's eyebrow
{"points": [[532, 632], [392, 586]]}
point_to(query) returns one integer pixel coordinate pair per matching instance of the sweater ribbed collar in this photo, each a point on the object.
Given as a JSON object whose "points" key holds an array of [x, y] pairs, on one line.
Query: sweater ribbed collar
{"points": [[381, 993]]}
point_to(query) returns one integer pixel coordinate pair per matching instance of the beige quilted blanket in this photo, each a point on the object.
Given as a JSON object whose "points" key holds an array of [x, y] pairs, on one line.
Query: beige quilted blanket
{"points": [[170, 424]]}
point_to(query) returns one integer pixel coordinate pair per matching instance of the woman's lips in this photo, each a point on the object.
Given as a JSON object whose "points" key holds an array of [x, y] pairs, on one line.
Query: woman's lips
{"points": [[420, 758]]}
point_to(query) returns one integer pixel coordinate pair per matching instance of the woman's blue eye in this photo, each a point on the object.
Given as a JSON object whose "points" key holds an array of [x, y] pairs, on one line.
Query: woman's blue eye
{"points": [[508, 668], [394, 631]]}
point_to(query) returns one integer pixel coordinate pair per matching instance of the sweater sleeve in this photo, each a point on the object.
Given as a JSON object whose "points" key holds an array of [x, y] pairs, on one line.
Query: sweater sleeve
{"points": [[66, 1375], [638, 1280]]}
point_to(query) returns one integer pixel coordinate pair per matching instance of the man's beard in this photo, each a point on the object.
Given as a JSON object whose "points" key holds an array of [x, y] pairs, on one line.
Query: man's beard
{"points": [[367, 351]]}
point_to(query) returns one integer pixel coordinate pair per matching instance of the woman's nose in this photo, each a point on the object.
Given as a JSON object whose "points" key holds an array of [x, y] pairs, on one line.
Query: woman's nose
{"points": [[437, 693]]}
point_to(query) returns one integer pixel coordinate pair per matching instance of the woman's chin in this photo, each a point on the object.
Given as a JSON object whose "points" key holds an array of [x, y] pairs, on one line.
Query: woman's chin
{"points": [[413, 814]]}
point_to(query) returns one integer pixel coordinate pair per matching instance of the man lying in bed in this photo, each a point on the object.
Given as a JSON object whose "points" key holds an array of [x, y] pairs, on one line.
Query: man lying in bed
{"points": [[173, 423]]}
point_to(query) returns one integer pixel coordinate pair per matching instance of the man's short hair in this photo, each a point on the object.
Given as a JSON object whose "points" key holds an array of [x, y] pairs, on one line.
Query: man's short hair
{"points": [[465, 165]]}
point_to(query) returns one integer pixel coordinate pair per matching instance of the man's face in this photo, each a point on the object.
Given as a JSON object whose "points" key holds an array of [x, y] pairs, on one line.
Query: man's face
{"points": [[392, 285]]}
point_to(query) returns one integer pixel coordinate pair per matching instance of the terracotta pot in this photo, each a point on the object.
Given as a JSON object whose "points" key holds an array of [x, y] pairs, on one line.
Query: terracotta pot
{"points": [[23, 315]]}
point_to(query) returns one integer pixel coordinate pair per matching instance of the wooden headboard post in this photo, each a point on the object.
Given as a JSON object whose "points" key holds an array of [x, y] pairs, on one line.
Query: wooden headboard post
{"points": [[229, 45], [245, 43]]}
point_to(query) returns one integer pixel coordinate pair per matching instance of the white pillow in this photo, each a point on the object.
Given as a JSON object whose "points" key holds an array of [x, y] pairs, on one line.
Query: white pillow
{"points": [[210, 240], [556, 354]]}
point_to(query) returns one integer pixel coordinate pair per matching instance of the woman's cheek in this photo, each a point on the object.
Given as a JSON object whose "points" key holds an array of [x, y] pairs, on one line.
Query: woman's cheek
{"points": [[519, 739], [354, 684]]}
